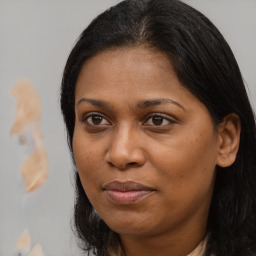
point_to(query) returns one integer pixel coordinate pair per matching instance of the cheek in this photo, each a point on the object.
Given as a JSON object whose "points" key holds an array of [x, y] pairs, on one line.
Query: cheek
{"points": [[187, 178], [87, 159], [187, 163], [86, 151]]}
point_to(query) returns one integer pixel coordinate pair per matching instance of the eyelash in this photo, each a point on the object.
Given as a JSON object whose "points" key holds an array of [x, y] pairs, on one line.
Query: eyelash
{"points": [[164, 118], [85, 118]]}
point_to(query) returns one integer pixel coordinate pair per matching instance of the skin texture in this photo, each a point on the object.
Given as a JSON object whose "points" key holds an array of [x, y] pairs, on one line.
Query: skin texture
{"points": [[174, 153]]}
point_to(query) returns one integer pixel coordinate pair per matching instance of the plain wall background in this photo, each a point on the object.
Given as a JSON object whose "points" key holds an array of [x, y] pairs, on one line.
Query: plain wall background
{"points": [[35, 40]]}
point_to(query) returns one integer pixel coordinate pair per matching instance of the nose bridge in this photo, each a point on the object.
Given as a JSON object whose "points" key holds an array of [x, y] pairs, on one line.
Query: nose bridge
{"points": [[124, 139], [125, 148]]}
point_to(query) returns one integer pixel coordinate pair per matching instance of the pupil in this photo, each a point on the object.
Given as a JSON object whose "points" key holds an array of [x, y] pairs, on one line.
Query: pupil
{"points": [[157, 120], [96, 119]]}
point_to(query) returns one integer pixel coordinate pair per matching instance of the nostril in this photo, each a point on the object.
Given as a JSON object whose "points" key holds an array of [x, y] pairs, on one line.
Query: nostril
{"points": [[132, 163], [110, 164], [125, 166]]}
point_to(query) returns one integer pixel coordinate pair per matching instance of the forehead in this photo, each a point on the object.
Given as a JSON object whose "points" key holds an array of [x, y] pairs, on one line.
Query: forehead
{"points": [[126, 69], [132, 55]]}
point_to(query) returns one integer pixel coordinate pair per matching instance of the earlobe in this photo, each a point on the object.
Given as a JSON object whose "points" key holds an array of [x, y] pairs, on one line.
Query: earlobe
{"points": [[229, 137]]}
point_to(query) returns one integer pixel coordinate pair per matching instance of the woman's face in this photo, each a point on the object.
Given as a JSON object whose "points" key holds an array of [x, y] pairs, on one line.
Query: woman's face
{"points": [[144, 146]]}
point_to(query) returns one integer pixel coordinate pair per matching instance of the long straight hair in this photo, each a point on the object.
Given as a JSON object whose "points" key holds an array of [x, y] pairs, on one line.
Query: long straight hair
{"points": [[206, 66]]}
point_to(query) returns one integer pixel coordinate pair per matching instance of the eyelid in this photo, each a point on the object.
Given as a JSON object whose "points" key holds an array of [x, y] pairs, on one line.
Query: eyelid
{"points": [[170, 120], [89, 114]]}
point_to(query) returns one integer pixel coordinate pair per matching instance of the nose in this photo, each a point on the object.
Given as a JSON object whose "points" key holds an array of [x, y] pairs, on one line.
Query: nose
{"points": [[124, 150]]}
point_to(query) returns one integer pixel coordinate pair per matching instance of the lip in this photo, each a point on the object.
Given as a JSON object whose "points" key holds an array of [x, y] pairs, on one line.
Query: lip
{"points": [[125, 193]]}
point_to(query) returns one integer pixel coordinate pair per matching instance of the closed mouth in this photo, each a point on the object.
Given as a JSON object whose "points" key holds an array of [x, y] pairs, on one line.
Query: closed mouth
{"points": [[124, 193]]}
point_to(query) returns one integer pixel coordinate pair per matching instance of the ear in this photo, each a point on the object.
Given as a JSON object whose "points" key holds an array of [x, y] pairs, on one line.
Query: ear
{"points": [[229, 137]]}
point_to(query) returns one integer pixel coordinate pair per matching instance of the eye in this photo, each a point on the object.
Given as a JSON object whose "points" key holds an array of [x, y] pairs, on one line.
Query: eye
{"points": [[158, 120], [95, 120]]}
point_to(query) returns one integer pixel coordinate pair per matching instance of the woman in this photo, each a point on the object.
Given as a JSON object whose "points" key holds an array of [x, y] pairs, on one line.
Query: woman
{"points": [[162, 135]]}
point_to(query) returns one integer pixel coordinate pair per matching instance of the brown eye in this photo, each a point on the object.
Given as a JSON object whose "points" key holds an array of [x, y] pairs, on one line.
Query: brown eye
{"points": [[96, 120], [158, 120]]}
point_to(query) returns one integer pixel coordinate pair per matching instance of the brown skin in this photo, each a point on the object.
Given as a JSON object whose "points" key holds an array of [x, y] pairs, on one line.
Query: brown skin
{"points": [[175, 154]]}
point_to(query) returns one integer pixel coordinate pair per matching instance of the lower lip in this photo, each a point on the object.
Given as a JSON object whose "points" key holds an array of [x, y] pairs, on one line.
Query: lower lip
{"points": [[126, 197]]}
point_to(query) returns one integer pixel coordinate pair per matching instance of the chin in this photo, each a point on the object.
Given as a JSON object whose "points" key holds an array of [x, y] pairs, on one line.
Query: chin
{"points": [[131, 227]]}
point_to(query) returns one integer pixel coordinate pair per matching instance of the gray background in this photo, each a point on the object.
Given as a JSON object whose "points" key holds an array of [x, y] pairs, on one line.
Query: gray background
{"points": [[35, 40]]}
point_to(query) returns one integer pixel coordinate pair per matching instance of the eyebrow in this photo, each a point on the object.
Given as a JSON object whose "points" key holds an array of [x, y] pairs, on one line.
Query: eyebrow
{"points": [[156, 102], [94, 102], [142, 104]]}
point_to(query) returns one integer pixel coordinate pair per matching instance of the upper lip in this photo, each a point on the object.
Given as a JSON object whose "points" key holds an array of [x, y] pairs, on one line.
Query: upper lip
{"points": [[126, 186]]}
